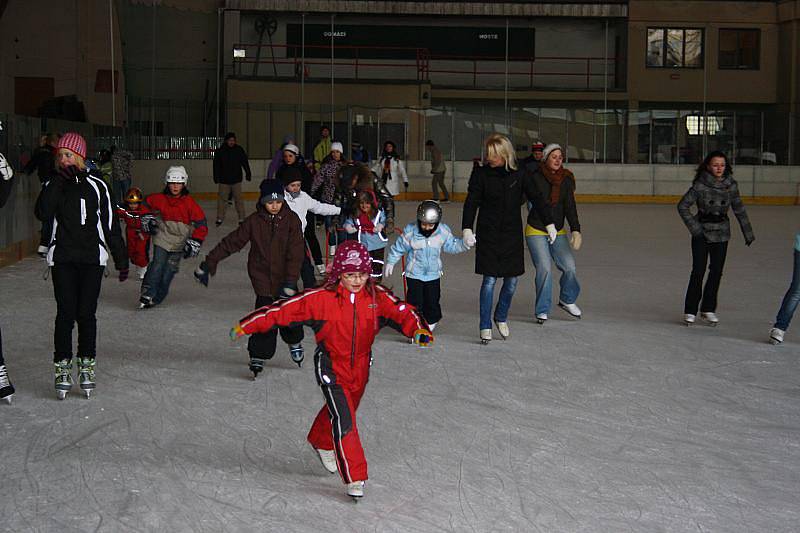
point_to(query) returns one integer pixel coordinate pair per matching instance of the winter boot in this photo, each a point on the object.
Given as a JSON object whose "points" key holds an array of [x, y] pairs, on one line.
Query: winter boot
{"points": [[297, 353], [63, 378], [86, 375], [256, 366], [775, 337], [328, 460], [6, 388], [355, 490]]}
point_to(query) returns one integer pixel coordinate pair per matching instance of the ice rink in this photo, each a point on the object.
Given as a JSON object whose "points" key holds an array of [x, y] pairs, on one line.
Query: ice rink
{"points": [[623, 421]]}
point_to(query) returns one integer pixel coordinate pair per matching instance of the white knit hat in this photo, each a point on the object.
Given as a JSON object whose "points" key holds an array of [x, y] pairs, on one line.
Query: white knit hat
{"points": [[292, 148], [176, 174], [337, 146], [549, 148]]}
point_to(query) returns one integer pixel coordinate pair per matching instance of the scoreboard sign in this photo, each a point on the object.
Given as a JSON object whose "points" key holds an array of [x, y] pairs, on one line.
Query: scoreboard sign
{"points": [[401, 42]]}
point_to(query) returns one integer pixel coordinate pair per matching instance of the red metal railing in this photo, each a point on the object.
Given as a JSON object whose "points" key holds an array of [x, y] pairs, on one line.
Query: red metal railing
{"points": [[426, 66]]}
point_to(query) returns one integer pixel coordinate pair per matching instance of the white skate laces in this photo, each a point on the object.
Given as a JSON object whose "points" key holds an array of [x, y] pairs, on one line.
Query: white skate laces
{"points": [[355, 489], [328, 460]]}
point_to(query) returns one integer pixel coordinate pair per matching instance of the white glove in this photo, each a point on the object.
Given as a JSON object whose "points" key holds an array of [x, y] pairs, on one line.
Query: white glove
{"points": [[388, 269], [6, 172], [378, 227], [575, 240], [349, 228], [551, 233], [469, 238]]}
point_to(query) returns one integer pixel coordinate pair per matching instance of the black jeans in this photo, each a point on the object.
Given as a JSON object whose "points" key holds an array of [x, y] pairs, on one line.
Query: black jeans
{"points": [[77, 288], [311, 237], [705, 253], [424, 295], [262, 345]]}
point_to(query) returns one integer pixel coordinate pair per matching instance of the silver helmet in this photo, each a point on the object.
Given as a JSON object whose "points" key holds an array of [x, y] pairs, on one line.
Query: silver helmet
{"points": [[429, 212]]}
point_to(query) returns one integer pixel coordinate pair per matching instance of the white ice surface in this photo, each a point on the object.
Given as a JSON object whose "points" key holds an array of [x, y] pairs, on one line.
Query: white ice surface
{"points": [[623, 421]]}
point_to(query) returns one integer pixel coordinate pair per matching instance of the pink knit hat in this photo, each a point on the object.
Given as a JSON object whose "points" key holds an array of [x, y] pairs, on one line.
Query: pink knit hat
{"points": [[74, 143], [351, 256]]}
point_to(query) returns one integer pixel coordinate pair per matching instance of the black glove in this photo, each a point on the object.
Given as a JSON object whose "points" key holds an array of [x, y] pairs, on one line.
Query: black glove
{"points": [[201, 273], [191, 248], [149, 224], [748, 242], [287, 290]]}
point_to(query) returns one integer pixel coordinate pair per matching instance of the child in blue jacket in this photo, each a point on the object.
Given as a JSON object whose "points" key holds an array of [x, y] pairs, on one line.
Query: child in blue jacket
{"points": [[422, 243]]}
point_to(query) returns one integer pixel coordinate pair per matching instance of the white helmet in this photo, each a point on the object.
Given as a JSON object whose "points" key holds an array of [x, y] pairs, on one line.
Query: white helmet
{"points": [[176, 175]]}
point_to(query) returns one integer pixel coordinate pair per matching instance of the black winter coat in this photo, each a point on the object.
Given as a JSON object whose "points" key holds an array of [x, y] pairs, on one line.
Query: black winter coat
{"points": [[5, 190], [79, 208], [228, 164], [496, 196], [536, 185]]}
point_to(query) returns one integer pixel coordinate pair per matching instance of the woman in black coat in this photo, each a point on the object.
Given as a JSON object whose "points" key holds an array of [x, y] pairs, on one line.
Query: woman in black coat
{"points": [[495, 194]]}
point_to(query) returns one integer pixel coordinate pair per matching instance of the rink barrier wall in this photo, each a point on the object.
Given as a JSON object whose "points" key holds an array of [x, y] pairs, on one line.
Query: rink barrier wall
{"points": [[596, 183]]}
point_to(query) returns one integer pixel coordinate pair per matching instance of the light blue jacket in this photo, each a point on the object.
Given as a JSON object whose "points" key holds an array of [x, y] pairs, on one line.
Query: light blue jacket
{"points": [[423, 255], [373, 241]]}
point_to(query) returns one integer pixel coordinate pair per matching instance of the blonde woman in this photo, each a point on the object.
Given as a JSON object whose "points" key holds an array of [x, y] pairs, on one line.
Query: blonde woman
{"points": [[495, 195], [77, 205]]}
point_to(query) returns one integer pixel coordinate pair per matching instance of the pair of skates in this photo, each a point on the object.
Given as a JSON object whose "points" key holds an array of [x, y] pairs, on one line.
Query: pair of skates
{"points": [[355, 489], [708, 318], [502, 327], [296, 352], [86, 376]]}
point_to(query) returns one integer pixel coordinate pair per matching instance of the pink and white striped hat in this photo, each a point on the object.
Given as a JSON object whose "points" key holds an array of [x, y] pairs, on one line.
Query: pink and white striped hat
{"points": [[74, 143]]}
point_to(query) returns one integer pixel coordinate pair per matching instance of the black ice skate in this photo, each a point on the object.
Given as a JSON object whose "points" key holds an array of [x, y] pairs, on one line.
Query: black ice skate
{"points": [[297, 353], [256, 366], [6, 388], [146, 302], [63, 378], [86, 375]]}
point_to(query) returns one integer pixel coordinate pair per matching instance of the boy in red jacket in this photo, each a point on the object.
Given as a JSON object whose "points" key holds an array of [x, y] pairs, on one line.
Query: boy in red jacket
{"points": [[137, 238], [346, 313], [181, 230], [277, 250]]}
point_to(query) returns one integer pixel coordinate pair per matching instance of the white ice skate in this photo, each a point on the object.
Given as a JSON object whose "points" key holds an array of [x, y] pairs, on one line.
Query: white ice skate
{"points": [[486, 336], [710, 319], [688, 319], [328, 460], [541, 318], [776, 336], [502, 328], [433, 326], [321, 269], [571, 309], [332, 250], [355, 490]]}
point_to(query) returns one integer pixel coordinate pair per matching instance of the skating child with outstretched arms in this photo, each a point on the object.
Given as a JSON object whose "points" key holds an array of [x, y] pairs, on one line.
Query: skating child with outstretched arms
{"points": [[346, 313], [276, 253], [182, 228], [139, 221], [423, 242]]}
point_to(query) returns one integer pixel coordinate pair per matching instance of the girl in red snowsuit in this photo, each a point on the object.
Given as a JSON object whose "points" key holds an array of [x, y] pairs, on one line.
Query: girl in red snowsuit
{"points": [[138, 240], [346, 315]]}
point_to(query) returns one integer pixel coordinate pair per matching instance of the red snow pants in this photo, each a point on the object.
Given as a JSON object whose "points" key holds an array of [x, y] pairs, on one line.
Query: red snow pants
{"points": [[335, 426]]}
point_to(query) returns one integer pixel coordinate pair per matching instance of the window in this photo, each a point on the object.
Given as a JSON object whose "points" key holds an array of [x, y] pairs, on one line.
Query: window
{"points": [[739, 49], [675, 47]]}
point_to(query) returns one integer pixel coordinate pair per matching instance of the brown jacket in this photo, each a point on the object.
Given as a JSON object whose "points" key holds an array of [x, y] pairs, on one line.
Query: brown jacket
{"points": [[276, 249]]}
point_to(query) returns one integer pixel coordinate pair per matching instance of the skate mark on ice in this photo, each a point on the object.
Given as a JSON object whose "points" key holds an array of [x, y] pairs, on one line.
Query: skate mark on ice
{"points": [[462, 499], [83, 437]]}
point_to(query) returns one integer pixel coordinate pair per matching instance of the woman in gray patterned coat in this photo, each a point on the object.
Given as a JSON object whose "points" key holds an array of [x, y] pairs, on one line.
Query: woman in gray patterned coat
{"points": [[713, 191]]}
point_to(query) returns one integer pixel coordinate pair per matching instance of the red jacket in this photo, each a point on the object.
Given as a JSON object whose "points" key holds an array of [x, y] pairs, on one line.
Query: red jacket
{"points": [[138, 241], [180, 219], [345, 325]]}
